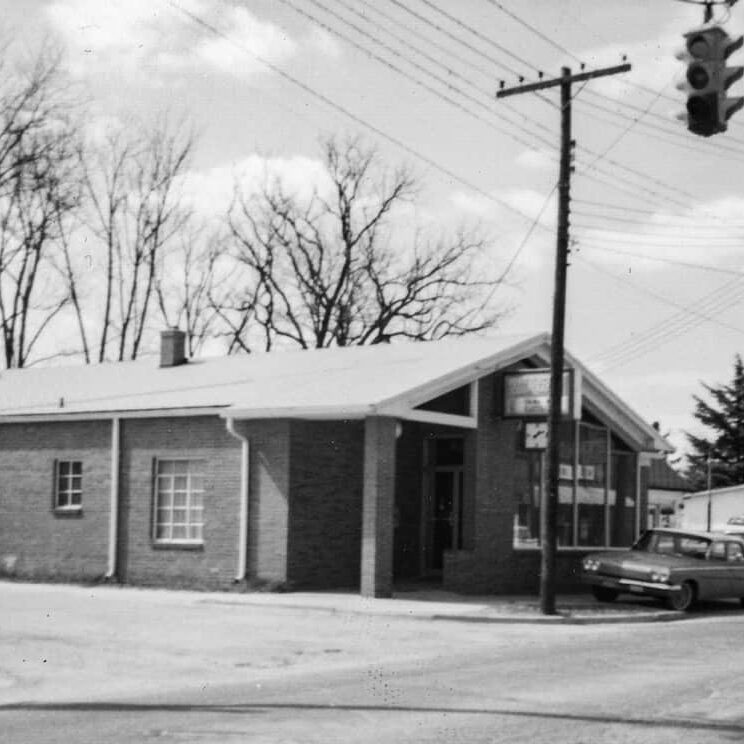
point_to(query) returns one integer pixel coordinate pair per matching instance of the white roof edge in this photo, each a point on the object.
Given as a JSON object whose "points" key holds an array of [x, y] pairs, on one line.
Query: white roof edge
{"points": [[716, 491], [464, 375], [660, 443], [139, 413], [301, 412]]}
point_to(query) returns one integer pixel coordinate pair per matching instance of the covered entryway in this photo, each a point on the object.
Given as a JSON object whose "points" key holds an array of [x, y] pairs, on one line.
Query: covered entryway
{"points": [[442, 513]]}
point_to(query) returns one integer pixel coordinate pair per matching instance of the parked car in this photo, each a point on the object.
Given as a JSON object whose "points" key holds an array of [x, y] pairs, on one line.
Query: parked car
{"points": [[735, 526], [677, 565]]}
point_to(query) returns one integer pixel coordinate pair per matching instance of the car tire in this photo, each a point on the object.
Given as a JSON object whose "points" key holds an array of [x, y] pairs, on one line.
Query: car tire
{"points": [[683, 599], [604, 594]]}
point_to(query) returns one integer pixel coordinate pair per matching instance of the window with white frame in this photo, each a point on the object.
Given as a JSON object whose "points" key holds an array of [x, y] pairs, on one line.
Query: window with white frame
{"points": [[597, 491], [68, 494], [179, 501]]}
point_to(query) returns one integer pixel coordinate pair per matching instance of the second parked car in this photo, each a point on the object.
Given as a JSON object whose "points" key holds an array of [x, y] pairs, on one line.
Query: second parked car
{"points": [[678, 566]]}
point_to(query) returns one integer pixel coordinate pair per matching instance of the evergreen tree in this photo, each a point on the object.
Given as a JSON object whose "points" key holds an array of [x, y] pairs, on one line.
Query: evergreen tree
{"points": [[724, 417]]}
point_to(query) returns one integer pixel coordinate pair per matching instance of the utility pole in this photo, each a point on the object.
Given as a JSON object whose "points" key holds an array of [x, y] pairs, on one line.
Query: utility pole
{"points": [[549, 505]]}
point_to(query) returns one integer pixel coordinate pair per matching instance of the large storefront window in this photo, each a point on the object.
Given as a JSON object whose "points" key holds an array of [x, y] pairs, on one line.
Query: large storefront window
{"points": [[591, 491], [623, 499], [597, 496], [530, 481]]}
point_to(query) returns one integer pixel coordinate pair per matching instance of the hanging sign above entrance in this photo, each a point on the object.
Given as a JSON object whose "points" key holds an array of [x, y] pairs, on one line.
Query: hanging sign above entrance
{"points": [[527, 394]]}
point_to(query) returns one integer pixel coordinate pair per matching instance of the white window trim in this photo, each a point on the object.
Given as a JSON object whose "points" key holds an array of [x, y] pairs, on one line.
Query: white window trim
{"points": [[67, 507], [170, 541]]}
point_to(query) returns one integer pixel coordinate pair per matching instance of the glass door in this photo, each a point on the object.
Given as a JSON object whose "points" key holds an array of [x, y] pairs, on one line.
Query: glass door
{"points": [[443, 503]]}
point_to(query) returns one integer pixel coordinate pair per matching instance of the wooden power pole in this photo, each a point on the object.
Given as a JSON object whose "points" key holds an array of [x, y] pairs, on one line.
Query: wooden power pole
{"points": [[549, 505]]}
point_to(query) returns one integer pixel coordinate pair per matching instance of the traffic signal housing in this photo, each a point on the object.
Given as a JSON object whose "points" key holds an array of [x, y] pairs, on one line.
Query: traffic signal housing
{"points": [[707, 79]]}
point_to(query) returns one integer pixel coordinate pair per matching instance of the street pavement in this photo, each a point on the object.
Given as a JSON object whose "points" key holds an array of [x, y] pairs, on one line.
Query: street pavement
{"points": [[82, 664]]}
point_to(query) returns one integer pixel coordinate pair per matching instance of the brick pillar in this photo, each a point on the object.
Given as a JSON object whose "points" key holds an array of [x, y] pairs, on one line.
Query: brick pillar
{"points": [[377, 507]]}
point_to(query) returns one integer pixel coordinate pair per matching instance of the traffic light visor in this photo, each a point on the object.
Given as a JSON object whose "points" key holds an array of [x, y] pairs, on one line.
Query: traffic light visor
{"points": [[698, 77]]}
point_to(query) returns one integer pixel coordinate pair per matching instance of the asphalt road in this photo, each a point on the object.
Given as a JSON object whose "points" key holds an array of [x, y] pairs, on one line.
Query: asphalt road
{"points": [[658, 682]]}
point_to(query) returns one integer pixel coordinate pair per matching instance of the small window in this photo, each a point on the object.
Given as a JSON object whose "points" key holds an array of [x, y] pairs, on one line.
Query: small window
{"points": [[179, 501], [717, 551], [69, 485], [735, 552]]}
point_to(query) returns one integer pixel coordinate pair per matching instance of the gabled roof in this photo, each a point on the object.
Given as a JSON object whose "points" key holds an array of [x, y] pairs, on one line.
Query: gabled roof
{"points": [[664, 477], [348, 382]]}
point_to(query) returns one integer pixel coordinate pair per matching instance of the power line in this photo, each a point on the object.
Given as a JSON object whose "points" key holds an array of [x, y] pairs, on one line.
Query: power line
{"points": [[598, 156], [660, 259], [626, 105], [348, 114], [534, 30], [406, 75], [480, 36], [714, 148], [428, 40], [672, 236], [662, 243], [620, 137], [623, 208], [719, 300], [659, 297], [697, 225], [429, 58], [527, 236], [453, 37]]}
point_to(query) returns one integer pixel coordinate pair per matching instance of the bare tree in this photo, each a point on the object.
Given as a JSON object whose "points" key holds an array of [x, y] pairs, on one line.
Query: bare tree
{"points": [[135, 210], [327, 271], [39, 189], [193, 271]]}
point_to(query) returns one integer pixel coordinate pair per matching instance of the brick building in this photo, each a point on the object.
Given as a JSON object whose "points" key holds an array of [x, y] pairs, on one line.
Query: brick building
{"points": [[352, 467]]}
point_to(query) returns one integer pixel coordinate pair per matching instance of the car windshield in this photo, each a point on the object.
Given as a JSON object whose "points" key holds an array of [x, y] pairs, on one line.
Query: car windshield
{"points": [[667, 543]]}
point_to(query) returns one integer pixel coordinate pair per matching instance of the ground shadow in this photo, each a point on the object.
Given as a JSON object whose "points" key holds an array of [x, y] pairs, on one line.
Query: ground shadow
{"points": [[258, 708]]}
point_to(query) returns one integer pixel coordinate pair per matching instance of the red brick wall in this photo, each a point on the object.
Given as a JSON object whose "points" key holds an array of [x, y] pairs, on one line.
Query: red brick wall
{"points": [[325, 519], [205, 438], [37, 543], [34, 541], [488, 566]]}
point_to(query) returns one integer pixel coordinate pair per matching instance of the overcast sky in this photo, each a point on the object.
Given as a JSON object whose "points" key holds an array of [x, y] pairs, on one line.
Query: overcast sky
{"points": [[655, 285]]}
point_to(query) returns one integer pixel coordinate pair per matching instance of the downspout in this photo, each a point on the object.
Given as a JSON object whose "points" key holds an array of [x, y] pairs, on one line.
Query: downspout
{"points": [[244, 493], [114, 500]]}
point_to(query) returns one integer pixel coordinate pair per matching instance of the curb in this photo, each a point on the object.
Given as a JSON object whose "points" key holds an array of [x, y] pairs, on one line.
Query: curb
{"points": [[566, 619], [505, 619]]}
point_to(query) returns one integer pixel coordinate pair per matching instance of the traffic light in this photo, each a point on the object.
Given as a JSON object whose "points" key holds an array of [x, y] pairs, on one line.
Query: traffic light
{"points": [[708, 79]]}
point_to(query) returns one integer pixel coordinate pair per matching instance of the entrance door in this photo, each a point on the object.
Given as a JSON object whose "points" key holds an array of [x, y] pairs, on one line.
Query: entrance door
{"points": [[447, 507], [443, 502]]}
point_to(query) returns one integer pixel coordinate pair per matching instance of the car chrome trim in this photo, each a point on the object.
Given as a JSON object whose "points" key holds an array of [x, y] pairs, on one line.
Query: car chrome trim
{"points": [[648, 584]]}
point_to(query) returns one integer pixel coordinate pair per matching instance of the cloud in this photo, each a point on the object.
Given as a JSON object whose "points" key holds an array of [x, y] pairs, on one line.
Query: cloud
{"points": [[210, 192], [706, 234], [321, 40], [145, 39], [246, 33], [536, 160], [517, 235], [503, 204]]}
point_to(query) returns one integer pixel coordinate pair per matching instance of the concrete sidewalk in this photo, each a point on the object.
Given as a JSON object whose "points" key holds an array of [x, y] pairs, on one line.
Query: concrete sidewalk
{"points": [[437, 604]]}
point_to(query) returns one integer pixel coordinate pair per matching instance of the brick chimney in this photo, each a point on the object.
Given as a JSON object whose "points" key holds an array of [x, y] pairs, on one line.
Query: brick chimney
{"points": [[172, 347]]}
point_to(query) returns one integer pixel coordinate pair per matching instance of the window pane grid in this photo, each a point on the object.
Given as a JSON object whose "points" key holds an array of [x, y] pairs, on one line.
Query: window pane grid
{"points": [[598, 493], [69, 484], [179, 513]]}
